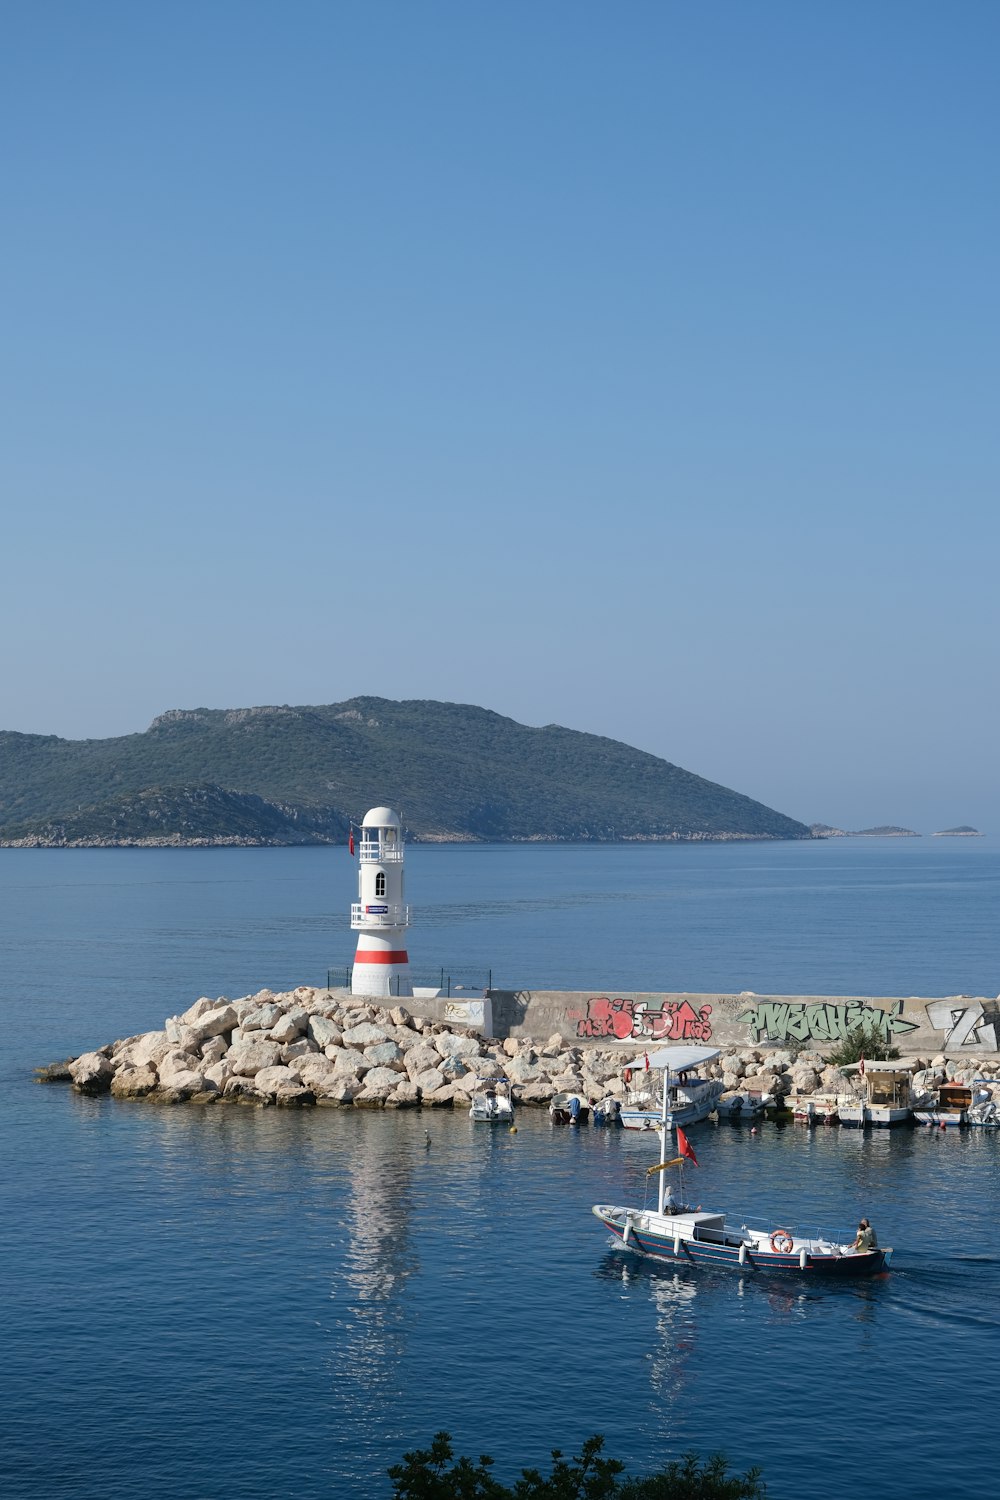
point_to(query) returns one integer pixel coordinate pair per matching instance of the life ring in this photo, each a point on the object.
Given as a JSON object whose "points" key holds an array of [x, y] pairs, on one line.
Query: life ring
{"points": [[782, 1242]]}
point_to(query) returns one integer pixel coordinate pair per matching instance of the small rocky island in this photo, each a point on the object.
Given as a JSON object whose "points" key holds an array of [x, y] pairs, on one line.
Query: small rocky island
{"points": [[884, 831], [330, 1048], [964, 831]]}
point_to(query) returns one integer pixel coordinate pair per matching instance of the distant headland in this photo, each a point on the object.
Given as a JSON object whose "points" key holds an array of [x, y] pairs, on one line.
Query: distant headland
{"points": [[276, 776], [962, 832]]}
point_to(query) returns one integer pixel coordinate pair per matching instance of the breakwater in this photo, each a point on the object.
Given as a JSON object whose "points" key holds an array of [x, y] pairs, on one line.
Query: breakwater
{"points": [[955, 1025], [326, 1047]]}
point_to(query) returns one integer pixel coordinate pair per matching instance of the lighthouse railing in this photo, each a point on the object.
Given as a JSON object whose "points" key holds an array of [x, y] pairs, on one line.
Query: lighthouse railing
{"points": [[378, 851], [379, 914]]}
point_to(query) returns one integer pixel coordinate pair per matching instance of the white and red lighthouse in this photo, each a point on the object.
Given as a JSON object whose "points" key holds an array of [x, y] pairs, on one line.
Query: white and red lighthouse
{"points": [[380, 914]]}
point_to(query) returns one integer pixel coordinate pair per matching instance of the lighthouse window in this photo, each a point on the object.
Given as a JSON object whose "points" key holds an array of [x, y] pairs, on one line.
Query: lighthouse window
{"points": [[380, 883]]}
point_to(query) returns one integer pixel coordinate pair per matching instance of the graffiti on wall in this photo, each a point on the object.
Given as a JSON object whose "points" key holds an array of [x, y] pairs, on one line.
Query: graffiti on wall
{"points": [[822, 1021], [964, 1024], [619, 1019]]}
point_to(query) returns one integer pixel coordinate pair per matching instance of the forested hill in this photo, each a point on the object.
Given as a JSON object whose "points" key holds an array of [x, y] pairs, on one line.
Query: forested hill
{"points": [[301, 775]]}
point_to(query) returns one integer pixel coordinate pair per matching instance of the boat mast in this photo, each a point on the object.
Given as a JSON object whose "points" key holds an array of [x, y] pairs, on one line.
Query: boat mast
{"points": [[665, 1125]]}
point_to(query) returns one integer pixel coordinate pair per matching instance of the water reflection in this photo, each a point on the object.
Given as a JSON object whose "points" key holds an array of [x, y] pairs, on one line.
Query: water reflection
{"points": [[377, 1260], [673, 1293]]}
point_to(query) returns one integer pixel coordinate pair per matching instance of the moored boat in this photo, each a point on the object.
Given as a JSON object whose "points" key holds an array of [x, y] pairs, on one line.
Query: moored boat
{"points": [[670, 1077], [492, 1102], [814, 1109], [741, 1106], [569, 1109], [959, 1104], [946, 1105], [885, 1099], [607, 1112]]}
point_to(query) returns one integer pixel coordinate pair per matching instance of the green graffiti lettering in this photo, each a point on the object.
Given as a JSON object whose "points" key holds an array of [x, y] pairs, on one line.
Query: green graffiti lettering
{"points": [[817, 1025], [836, 1016], [896, 1022], [797, 1025]]}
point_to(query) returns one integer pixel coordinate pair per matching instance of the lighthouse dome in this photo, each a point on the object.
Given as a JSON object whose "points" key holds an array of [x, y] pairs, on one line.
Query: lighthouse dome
{"points": [[381, 817]]}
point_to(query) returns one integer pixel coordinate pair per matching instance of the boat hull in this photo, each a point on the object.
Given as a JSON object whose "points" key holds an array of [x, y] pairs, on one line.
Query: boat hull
{"points": [[684, 1115], [880, 1116], [655, 1237]]}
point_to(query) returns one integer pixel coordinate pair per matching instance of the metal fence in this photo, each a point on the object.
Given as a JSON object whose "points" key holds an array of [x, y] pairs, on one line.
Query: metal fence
{"points": [[425, 979]]}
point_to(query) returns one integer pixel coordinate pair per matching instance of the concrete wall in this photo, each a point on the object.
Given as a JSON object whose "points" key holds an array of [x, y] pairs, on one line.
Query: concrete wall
{"points": [[954, 1024]]}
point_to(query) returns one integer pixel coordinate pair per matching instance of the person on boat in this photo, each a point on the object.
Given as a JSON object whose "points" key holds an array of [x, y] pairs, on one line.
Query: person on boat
{"points": [[671, 1204], [866, 1240]]}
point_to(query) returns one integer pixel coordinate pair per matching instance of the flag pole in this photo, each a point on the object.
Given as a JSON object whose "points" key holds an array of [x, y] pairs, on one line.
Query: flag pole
{"points": [[662, 1189]]}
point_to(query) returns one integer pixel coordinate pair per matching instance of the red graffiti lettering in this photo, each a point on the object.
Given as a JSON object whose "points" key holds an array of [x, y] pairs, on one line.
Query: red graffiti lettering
{"points": [[675, 1021]]}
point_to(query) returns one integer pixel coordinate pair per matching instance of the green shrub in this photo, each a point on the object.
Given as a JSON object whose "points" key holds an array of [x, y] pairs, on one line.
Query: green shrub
{"points": [[862, 1042]]}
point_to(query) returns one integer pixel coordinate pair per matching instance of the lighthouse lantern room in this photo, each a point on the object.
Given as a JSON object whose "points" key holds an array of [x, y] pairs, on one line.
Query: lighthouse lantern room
{"points": [[380, 915]]}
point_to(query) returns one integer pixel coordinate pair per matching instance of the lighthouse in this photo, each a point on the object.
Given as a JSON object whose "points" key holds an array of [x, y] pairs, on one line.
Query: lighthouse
{"points": [[380, 915]]}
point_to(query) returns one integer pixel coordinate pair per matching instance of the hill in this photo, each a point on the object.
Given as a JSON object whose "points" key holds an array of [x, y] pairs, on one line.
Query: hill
{"points": [[286, 775]]}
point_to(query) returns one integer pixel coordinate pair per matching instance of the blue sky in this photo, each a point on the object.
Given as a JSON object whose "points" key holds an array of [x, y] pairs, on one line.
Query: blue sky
{"points": [[628, 367]]}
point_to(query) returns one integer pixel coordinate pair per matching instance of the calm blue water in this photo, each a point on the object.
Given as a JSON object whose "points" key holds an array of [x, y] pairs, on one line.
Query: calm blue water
{"points": [[232, 1302]]}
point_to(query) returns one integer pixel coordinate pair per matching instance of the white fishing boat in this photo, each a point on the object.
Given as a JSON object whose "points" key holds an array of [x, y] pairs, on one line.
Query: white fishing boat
{"points": [[670, 1078], [958, 1104], [492, 1102], [946, 1105], [885, 1099], [674, 1231]]}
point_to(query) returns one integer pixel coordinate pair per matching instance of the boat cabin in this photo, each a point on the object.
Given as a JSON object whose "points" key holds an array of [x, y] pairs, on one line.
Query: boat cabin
{"points": [[954, 1097], [888, 1089]]}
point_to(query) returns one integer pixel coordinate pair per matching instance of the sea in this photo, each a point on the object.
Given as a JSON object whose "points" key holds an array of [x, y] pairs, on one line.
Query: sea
{"points": [[237, 1302]]}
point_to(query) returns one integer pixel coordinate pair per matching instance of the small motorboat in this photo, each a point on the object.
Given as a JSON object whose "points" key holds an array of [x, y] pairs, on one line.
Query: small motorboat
{"points": [[742, 1106], [885, 1099], [670, 1076], [814, 1109], [983, 1110], [569, 1109], [493, 1102], [607, 1113]]}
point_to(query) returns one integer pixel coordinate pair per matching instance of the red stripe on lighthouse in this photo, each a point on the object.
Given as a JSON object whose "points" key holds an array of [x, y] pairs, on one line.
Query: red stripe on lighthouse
{"points": [[381, 956]]}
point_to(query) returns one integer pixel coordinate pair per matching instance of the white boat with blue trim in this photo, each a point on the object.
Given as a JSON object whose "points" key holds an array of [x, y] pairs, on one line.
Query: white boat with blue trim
{"points": [[670, 1076], [708, 1239]]}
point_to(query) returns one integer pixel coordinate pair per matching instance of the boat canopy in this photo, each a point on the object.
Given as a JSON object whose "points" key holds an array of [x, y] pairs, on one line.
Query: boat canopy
{"points": [[676, 1059]]}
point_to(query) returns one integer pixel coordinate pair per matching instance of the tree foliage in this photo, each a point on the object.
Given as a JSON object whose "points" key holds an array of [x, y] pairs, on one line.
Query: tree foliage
{"points": [[435, 1474], [862, 1042]]}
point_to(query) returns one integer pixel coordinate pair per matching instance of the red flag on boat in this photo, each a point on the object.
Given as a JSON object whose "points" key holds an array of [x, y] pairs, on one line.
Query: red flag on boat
{"points": [[684, 1147], [646, 1056], [350, 843], [861, 1066]]}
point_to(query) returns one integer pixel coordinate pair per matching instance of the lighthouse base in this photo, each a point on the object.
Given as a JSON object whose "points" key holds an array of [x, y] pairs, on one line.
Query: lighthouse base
{"points": [[380, 980]]}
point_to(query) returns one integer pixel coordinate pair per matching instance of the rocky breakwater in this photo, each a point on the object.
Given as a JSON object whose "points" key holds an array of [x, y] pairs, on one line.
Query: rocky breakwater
{"points": [[308, 1047], [314, 1046]]}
